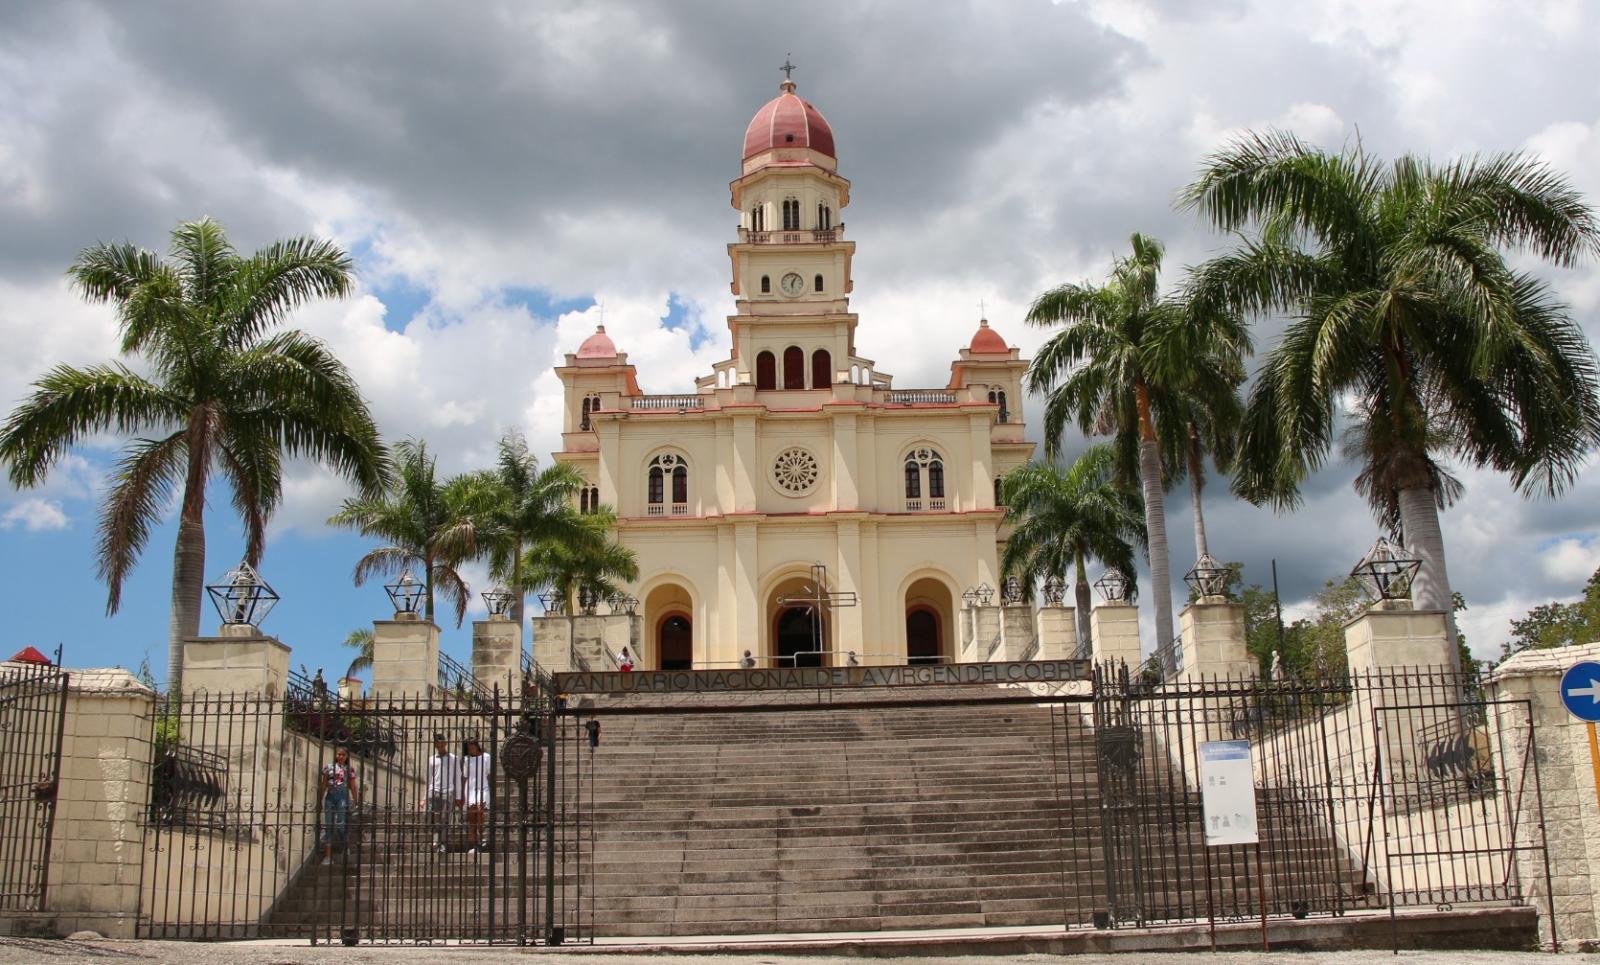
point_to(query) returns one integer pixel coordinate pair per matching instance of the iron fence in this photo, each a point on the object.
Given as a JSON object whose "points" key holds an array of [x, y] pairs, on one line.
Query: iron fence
{"points": [[245, 839], [33, 701]]}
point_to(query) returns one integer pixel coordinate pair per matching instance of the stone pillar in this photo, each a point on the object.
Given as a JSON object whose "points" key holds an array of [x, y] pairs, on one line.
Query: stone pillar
{"points": [[1214, 641], [1115, 628], [620, 630], [985, 631], [240, 660], [1058, 633], [497, 652], [1398, 636], [1566, 784], [97, 847], [1016, 632], [552, 643], [405, 656], [350, 689]]}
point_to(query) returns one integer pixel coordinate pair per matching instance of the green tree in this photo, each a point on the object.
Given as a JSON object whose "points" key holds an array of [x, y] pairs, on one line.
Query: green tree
{"points": [[1559, 624], [526, 505], [428, 522], [361, 642], [594, 565], [1406, 316], [1122, 354], [226, 395], [1062, 517]]}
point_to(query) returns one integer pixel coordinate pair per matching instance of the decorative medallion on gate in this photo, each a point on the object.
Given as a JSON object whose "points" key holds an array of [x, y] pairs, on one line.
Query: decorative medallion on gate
{"points": [[520, 757], [795, 471]]}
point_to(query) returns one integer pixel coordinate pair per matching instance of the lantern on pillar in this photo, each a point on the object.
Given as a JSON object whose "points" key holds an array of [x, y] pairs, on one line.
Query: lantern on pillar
{"points": [[243, 598], [970, 597], [623, 603], [985, 594], [1012, 588], [498, 599], [1208, 577], [1113, 586], [1054, 589], [554, 604], [1386, 571], [405, 593]]}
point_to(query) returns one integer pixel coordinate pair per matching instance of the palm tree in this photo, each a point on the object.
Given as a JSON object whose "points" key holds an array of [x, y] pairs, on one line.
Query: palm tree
{"points": [[1063, 516], [1407, 324], [361, 641], [593, 565], [1122, 354], [225, 396], [1210, 413], [427, 522], [527, 505]]}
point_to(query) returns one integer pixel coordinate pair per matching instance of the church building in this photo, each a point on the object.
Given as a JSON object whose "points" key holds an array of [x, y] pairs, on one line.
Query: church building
{"points": [[796, 451]]}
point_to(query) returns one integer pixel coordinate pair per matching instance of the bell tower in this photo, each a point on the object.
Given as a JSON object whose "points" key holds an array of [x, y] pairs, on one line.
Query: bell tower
{"points": [[791, 262]]}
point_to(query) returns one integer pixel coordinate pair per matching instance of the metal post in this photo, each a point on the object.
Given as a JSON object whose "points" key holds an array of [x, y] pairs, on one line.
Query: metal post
{"points": [[550, 823], [1277, 604]]}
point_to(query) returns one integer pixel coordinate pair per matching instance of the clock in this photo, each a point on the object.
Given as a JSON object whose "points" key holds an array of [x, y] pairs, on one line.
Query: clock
{"points": [[792, 284]]}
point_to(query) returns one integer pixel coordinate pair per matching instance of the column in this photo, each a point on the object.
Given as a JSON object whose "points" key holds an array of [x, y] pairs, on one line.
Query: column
{"points": [[405, 656], [497, 652], [745, 470], [747, 635], [986, 633], [1115, 628], [847, 572], [1058, 633], [1016, 632], [1397, 636], [239, 660], [982, 480], [1214, 642], [552, 643], [845, 493]]}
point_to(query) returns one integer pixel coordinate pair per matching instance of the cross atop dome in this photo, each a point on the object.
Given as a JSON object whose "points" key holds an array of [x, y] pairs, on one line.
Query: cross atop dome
{"points": [[787, 68]]}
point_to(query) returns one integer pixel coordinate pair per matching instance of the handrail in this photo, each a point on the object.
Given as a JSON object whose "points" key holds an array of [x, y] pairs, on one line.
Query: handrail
{"points": [[1168, 658], [667, 402], [919, 396], [1031, 650], [993, 646]]}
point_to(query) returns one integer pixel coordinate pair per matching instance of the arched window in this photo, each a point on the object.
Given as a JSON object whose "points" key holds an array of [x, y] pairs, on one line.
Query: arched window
{"points": [[766, 284], [997, 500], [583, 501], [1005, 414], [817, 283], [824, 217], [766, 371], [583, 422], [758, 218], [794, 367], [594, 499], [821, 369], [663, 467], [924, 473], [791, 214]]}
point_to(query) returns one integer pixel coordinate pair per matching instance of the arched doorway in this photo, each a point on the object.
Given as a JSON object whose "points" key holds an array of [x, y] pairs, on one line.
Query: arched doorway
{"points": [[796, 638], [922, 636], [930, 620], [675, 643]]}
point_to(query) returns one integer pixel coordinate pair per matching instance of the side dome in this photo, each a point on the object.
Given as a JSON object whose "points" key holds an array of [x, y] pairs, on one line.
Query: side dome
{"points": [[987, 341], [598, 345], [786, 121]]}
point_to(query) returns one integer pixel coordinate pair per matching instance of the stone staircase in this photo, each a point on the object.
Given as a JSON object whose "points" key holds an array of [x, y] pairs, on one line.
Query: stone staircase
{"points": [[780, 820]]}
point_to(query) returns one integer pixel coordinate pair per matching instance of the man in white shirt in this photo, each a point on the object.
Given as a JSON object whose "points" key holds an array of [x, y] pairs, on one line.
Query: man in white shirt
{"points": [[444, 790]]}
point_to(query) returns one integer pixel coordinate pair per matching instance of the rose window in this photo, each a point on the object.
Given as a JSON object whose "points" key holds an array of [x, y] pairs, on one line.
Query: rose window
{"points": [[795, 471]]}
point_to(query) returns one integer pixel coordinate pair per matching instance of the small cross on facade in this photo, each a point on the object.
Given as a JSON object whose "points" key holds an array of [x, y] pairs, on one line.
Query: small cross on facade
{"points": [[817, 598], [787, 68]]}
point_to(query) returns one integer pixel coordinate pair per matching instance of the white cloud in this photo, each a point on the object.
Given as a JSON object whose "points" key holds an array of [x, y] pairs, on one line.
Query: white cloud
{"points": [[35, 515], [1571, 560]]}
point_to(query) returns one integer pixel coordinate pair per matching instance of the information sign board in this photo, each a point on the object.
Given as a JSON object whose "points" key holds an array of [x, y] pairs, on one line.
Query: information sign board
{"points": [[1228, 793]]}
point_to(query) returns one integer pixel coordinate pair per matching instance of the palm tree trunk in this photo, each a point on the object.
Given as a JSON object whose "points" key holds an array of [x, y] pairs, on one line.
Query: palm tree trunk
{"points": [[1430, 590], [518, 595], [1197, 482], [1155, 518], [1080, 593], [427, 583], [188, 573]]}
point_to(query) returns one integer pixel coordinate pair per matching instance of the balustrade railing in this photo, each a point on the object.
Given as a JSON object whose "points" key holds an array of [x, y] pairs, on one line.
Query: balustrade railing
{"points": [[793, 236], [667, 402], [919, 397], [666, 509]]}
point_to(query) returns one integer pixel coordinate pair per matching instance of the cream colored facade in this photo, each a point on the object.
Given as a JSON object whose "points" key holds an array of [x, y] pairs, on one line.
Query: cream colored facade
{"points": [[796, 450]]}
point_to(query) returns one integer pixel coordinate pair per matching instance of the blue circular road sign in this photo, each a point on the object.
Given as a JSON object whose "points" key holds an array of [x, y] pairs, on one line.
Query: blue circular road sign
{"points": [[1580, 691]]}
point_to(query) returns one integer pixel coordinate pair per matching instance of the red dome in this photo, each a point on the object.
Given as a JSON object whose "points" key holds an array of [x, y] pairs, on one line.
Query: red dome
{"points": [[598, 345], [787, 121], [987, 341]]}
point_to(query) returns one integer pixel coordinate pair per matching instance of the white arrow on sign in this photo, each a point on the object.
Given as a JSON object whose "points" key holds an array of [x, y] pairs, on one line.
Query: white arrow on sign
{"points": [[1592, 691]]}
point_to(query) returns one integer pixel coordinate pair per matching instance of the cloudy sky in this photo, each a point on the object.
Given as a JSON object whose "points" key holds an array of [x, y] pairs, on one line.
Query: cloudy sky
{"points": [[502, 170]]}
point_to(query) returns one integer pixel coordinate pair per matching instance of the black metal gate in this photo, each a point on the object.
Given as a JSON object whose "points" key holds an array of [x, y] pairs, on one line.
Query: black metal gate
{"points": [[33, 709], [242, 842]]}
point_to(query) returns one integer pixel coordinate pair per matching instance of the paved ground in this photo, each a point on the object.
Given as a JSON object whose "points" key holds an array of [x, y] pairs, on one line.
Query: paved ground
{"points": [[187, 953]]}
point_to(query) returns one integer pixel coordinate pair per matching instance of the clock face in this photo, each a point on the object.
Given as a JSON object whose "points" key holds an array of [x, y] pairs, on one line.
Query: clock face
{"points": [[792, 284]]}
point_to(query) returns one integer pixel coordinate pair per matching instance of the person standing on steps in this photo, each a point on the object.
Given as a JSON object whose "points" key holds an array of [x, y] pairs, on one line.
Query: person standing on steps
{"points": [[625, 661], [475, 774], [444, 791], [339, 793]]}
